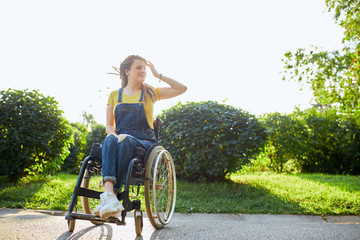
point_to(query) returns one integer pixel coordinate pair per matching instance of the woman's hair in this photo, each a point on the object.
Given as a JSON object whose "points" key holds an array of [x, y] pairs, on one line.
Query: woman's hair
{"points": [[126, 64]]}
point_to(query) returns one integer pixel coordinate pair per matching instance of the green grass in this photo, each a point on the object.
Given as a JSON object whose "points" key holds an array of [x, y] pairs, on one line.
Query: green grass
{"points": [[309, 193], [268, 193]]}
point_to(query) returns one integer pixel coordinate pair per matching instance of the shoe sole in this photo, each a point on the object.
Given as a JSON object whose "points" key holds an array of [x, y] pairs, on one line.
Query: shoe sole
{"points": [[110, 214]]}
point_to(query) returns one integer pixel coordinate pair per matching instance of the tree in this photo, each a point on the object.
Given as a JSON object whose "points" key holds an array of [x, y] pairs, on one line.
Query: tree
{"points": [[88, 119], [97, 132], [34, 135], [333, 76]]}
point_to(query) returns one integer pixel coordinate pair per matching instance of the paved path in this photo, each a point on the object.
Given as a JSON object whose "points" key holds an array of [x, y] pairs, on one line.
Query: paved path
{"points": [[27, 224]]}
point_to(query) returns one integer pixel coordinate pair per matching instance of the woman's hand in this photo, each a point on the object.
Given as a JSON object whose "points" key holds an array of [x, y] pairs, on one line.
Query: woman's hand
{"points": [[152, 68], [175, 88], [121, 137]]}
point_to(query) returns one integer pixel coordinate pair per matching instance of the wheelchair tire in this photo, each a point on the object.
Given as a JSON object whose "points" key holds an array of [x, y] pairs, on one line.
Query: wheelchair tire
{"points": [[160, 187], [84, 200]]}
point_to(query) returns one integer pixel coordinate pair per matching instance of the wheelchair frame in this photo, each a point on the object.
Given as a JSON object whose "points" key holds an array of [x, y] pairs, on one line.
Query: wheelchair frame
{"points": [[157, 176]]}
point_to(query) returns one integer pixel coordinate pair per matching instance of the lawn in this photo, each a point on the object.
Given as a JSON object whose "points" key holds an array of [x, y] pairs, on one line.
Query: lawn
{"points": [[268, 193]]}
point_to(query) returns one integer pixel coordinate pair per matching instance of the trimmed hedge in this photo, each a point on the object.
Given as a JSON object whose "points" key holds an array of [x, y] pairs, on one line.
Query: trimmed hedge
{"points": [[34, 134], [208, 140]]}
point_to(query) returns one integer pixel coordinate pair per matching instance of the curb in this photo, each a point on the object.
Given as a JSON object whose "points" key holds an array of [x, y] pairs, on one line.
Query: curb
{"points": [[334, 219]]}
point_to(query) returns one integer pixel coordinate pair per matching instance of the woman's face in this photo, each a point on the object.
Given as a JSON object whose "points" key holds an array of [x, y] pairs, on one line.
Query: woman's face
{"points": [[137, 71]]}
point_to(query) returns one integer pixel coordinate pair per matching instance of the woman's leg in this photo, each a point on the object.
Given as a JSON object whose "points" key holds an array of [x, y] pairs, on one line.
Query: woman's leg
{"points": [[115, 161], [125, 151], [109, 204], [109, 157], [109, 186], [125, 155]]}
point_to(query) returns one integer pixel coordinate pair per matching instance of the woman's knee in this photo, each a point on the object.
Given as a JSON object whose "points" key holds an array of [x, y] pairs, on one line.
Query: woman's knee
{"points": [[109, 140], [128, 141]]}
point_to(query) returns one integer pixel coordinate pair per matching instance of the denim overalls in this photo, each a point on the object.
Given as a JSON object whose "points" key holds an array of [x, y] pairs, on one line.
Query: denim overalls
{"points": [[130, 118]]}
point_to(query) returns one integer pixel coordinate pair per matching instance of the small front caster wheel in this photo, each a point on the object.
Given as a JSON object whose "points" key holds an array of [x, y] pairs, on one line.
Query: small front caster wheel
{"points": [[71, 225], [138, 222]]}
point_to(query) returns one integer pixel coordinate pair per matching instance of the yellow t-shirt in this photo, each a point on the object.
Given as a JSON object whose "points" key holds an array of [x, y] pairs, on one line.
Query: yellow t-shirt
{"points": [[149, 106]]}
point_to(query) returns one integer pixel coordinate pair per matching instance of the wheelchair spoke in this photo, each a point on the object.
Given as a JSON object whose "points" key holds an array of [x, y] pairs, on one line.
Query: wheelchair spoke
{"points": [[163, 197]]}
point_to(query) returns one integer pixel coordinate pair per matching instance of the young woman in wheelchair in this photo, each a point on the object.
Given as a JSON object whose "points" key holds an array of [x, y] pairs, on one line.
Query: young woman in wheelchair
{"points": [[129, 124]]}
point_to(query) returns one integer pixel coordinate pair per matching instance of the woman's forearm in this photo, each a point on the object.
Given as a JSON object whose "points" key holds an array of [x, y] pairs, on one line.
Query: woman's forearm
{"points": [[173, 83], [110, 120], [110, 130]]}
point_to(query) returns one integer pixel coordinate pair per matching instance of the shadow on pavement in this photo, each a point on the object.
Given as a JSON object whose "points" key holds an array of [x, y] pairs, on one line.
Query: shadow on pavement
{"points": [[105, 232]]}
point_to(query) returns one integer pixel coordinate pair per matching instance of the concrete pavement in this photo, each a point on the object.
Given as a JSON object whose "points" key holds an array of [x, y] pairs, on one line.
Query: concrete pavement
{"points": [[28, 224]]}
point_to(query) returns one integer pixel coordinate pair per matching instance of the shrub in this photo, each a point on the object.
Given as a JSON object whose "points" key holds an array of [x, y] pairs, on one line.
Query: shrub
{"points": [[287, 139], [334, 145], [34, 134], [209, 140], [96, 135], [77, 153], [351, 146]]}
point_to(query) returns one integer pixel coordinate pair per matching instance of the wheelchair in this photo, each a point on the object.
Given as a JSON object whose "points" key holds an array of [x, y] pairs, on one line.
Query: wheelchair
{"points": [[153, 169]]}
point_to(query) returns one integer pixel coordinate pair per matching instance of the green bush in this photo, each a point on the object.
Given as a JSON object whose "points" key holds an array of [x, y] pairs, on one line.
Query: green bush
{"points": [[209, 140], [35, 136], [334, 143], [77, 149], [96, 135], [287, 138], [351, 145]]}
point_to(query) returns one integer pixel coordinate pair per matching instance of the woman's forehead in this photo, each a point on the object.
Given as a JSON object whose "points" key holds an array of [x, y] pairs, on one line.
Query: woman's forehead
{"points": [[138, 62]]}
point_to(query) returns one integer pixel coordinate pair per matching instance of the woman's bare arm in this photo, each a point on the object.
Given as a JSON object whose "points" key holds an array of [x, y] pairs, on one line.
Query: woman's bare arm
{"points": [[110, 120], [176, 88]]}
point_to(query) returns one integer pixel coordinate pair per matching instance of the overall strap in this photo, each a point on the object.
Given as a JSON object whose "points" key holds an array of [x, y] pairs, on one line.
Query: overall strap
{"points": [[120, 95], [142, 96]]}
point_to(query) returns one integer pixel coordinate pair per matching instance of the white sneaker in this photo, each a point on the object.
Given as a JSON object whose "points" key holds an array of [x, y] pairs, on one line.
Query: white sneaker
{"points": [[111, 206], [96, 211]]}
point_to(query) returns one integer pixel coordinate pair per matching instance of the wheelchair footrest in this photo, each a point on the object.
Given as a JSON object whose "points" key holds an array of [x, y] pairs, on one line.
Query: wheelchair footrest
{"points": [[90, 217]]}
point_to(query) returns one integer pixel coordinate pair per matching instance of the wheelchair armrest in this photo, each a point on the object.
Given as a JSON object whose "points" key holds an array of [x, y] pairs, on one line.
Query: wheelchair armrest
{"points": [[157, 124]]}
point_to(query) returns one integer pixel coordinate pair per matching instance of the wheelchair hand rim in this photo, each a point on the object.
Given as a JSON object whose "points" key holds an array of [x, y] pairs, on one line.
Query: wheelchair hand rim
{"points": [[172, 174]]}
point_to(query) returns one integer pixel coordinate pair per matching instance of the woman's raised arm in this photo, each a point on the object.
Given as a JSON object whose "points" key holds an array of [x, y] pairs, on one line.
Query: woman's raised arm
{"points": [[176, 88]]}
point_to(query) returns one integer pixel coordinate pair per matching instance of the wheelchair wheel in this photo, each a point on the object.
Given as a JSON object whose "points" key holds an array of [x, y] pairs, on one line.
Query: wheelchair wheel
{"points": [[160, 187], [71, 225], [138, 222], [87, 204]]}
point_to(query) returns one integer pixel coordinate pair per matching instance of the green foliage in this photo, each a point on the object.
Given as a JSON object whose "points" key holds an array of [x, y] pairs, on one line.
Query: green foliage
{"points": [[209, 140], [96, 135], [315, 140], [333, 145], [334, 76], [83, 141], [34, 134], [77, 149], [287, 139]]}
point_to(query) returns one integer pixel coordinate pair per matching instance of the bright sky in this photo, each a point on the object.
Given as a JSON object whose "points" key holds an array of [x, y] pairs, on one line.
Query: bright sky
{"points": [[228, 49]]}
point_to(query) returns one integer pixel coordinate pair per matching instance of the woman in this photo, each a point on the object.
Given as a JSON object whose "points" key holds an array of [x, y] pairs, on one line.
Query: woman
{"points": [[129, 124]]}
